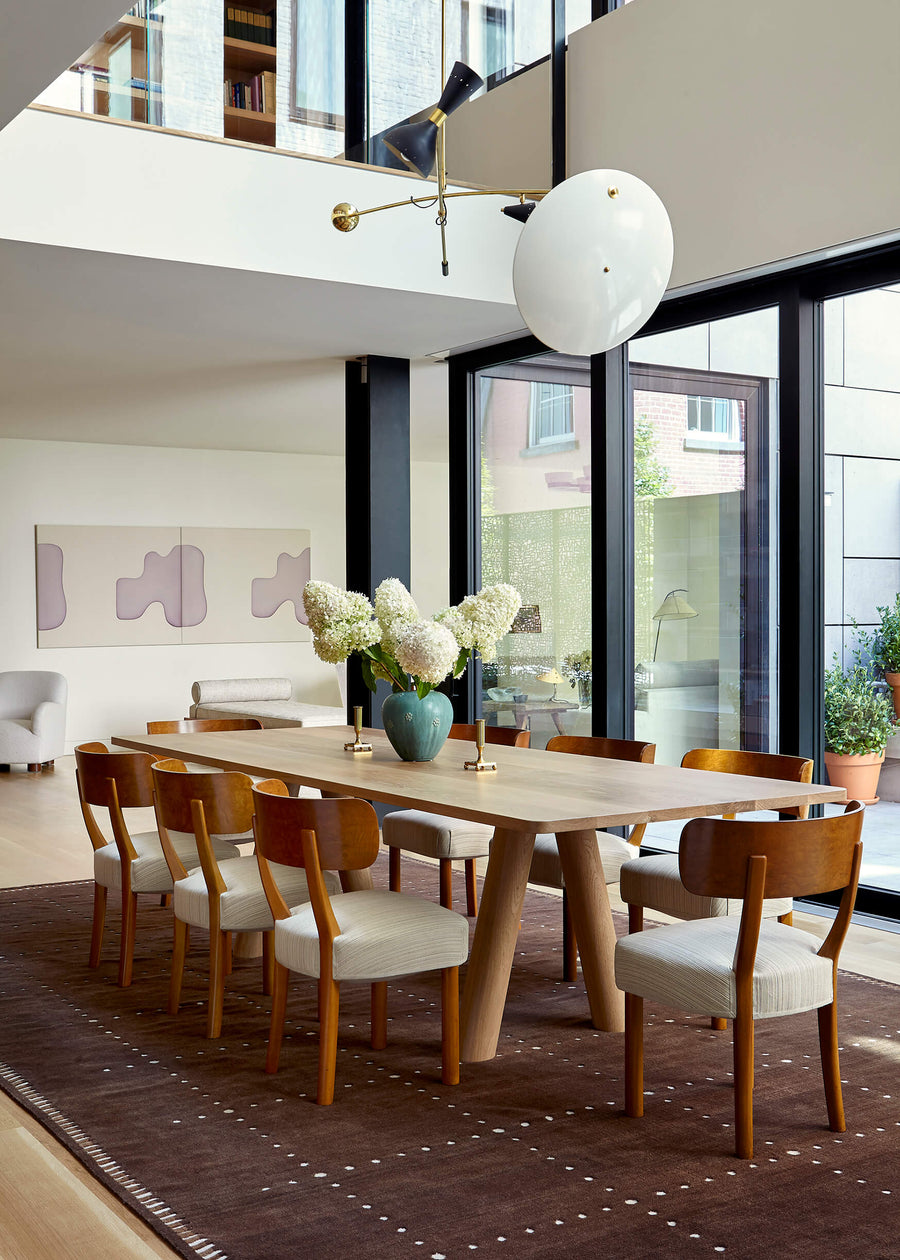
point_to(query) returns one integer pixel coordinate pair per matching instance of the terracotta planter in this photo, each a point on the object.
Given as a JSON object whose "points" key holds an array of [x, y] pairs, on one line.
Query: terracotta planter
{"points": [[856, 774], [893, 681]]}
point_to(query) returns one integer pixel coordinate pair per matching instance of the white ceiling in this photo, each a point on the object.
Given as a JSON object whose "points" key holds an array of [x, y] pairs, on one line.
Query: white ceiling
{"points": [[106, 348]]}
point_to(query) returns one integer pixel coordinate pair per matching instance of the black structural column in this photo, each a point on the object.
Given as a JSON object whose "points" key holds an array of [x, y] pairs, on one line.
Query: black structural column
{"points": [[612, 546], [376, 457], [355, 79], [802, 530], [557, 92]]}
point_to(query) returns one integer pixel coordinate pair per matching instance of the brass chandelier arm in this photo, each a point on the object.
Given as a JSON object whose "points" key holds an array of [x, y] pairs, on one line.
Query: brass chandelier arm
{"points": [[345, 217]]}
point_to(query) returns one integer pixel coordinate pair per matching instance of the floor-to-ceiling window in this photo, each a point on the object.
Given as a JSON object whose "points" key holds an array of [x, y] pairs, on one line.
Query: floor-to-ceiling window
{"points": [[535, 522], [862, 515], [704, 404]]}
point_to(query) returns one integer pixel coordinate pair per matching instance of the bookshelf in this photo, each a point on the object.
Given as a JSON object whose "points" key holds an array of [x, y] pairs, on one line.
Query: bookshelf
{"points": [[249, 75]]}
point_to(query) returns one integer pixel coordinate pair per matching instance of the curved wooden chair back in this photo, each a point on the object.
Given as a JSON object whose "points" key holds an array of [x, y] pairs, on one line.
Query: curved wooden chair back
{"points": [[345, 828], [226, 804], [759, 765], [188, 726], [129, 772], [799, 857], [602, 746], [509, 736]]}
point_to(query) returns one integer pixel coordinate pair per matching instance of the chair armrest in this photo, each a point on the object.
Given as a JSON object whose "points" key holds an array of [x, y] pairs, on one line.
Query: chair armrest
{"points": [[49, 719]]}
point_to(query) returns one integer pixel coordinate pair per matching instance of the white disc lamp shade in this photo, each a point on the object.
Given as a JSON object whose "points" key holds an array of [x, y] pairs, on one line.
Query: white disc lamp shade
{"points": [[593, 262]]}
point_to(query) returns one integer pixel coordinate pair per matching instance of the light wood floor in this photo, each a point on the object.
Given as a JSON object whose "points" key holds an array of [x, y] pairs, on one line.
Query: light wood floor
{"points": [[51, 1207]]}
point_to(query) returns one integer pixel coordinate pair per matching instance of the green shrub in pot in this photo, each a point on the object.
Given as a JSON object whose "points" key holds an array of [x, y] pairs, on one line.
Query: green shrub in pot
{"points": [[886, 646], [858, 718]]}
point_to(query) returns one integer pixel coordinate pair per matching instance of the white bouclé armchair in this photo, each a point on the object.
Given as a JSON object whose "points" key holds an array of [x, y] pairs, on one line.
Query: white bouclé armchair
{"points": [[32, 717]]}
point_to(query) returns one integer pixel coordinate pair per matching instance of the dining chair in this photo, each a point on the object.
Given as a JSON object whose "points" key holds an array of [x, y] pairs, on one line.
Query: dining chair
{"points": [[187, 726], [546, 868], [370, 935], [447, 839], [747, 967], [221, 896], [653, 882], [131, 862]]}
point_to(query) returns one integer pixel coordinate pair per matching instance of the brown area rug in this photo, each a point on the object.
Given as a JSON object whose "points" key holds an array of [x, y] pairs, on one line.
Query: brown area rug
{"points": [[530, 1156]]}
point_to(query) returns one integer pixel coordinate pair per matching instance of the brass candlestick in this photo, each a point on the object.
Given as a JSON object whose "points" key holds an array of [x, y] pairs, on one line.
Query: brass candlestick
{"points": [[480, 763], [357, 746]]}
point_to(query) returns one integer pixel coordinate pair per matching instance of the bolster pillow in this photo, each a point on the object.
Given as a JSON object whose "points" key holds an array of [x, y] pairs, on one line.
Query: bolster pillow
{"points": [[235, 690]]}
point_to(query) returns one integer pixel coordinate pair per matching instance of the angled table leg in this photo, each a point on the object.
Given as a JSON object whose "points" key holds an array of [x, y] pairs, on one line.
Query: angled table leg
{"points": [[494, 946], [594, 931]]}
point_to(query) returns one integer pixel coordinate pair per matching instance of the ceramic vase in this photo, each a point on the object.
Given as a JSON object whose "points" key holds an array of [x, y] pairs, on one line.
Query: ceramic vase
{"points": [[417, 729]]}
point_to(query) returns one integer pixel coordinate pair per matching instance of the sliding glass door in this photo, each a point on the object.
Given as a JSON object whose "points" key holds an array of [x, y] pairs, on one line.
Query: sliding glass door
{"points": [[535, 520]]}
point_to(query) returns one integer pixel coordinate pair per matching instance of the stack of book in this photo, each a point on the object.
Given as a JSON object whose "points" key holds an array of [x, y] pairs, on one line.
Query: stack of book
{"points": [[257, 94], [256, 28]]}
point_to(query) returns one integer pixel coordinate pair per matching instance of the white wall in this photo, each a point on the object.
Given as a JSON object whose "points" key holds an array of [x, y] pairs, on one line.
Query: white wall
{"points": [[226, 205], [768, 130], [116, 690]]}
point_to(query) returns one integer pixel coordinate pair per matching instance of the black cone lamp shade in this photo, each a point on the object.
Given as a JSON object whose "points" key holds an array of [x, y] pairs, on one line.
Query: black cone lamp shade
{"points": [[520, 211], [415, 144]]}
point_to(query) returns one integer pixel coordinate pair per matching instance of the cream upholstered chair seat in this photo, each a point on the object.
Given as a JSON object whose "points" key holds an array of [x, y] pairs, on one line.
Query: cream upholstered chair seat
{"points": [[382, 934], [447, 839], [242, 906], [149, 870], [546, 868], [694, 970], [435, 836], [654, 883]]}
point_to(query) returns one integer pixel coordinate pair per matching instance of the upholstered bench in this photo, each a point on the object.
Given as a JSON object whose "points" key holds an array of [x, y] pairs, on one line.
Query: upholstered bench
{"points": [[268, 699]]}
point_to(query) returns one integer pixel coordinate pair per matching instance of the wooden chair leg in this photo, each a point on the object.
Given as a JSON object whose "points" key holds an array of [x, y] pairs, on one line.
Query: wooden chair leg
{"points": [[34, 767], [831, 1068], [268, 962], [446, 881], [97, 925], [218, 946], [634, 1055], [787, 919], [379, 1014], [329, 1004], [450, 1025], [742, 1030], [570, 944], [228, 947], [471, 889], [635, 918], [394, 869], [179, 950], [165, 900], [276, 1025], [126, 951], [718, 1024]]}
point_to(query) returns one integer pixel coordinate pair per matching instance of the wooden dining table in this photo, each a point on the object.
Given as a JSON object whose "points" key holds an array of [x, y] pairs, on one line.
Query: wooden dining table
{"points": [[531, 791]]}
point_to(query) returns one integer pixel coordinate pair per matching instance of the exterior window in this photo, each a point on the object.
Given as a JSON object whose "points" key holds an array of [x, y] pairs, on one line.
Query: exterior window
{"points": [[714, 418], [550, 417]]}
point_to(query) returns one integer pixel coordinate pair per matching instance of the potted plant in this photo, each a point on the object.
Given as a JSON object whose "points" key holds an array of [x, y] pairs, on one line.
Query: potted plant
{"points": [[859, 721], [395, 643], [886, 651]]}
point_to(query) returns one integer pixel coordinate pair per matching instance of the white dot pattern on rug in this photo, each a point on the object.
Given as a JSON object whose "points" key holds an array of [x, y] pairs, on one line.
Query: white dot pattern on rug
{"points": [[573, 1168]]}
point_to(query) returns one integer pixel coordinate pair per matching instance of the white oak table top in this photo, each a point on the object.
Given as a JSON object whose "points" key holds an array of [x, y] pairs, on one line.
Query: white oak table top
{"points": [[532, 791]]}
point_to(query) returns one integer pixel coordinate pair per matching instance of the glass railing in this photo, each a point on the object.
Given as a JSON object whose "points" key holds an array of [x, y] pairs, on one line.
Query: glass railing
{"points": [[273, 74]]}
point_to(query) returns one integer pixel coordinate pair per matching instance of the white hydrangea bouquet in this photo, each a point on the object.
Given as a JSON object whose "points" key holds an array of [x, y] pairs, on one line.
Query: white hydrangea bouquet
{"points": [[394, 642]]}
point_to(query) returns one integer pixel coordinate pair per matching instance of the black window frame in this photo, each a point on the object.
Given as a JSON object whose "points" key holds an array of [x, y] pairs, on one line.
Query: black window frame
{"points": [[799, 293]]}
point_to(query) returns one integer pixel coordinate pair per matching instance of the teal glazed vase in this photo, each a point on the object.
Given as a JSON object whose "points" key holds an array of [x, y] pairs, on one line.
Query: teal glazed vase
{"points": [[417, 729]]}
